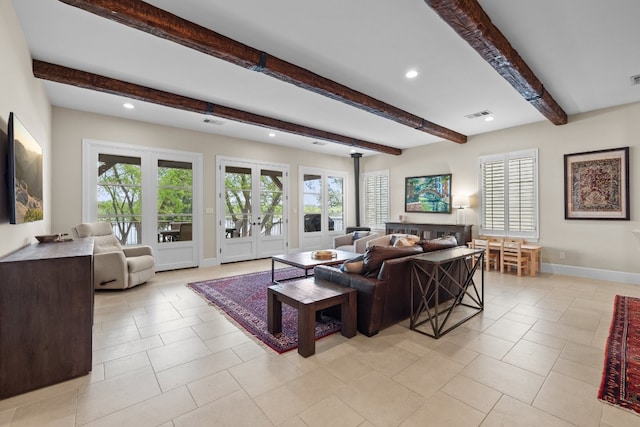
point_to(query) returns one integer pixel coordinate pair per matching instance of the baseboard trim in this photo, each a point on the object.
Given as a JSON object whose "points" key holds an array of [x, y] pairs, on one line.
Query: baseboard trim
{"points": [[209, 262], [592, 273]]}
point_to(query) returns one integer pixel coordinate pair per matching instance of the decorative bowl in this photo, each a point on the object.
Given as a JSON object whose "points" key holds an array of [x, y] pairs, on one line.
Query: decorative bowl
{"points": [[323, 255], [47, 238]]}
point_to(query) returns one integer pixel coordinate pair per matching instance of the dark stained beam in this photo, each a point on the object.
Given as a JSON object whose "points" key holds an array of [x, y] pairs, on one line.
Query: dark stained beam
{"points": [[82, 79], [150, 19], [471, 22]]}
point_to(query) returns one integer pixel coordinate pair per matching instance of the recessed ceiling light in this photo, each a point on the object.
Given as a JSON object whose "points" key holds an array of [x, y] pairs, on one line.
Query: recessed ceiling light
{"points": [[411, 74], [272, 134], [488, 119], [128, 106]]}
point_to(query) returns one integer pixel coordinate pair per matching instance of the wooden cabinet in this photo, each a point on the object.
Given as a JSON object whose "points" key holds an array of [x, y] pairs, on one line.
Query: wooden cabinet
{"points": [[462, 233], [46, 315]]}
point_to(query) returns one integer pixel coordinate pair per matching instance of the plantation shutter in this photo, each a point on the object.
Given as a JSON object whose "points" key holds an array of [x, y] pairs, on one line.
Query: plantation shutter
{"points": [[522, 204], [493, 196], [376, 199], [509, 194]]}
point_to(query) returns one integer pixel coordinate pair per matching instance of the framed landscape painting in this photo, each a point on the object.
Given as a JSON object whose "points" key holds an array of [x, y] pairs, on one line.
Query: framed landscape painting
{"points": [[596, 184], [25, 174], [429, 194]]}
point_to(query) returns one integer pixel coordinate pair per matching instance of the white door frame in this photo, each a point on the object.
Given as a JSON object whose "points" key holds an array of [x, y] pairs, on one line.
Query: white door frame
{"points": [[323, 239], [168, 256], [256, 246]]}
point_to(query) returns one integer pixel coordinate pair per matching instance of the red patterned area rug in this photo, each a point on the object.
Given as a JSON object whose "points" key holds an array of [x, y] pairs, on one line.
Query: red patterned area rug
{"points": [[244, 298], [621, 376]]}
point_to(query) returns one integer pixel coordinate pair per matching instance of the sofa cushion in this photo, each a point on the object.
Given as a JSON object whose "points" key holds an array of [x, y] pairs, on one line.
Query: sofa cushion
{"points": [[360, 234], [353, 265], [439, 243], [374, 256]]}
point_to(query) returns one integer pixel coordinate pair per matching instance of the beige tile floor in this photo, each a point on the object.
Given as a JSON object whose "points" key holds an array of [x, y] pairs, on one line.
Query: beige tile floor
{"points": [[163, 357]]}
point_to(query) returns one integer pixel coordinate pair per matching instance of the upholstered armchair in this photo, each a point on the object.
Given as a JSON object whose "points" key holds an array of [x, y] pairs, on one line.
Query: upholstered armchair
{"points": [[355, 241], [115, 267]]}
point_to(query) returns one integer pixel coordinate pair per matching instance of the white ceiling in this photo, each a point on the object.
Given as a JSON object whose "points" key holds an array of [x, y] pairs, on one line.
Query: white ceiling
{"points": [[583, 51]]}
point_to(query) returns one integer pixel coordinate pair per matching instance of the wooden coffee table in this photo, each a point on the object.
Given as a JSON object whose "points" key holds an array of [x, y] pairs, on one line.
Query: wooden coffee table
{"points": [[309, 296], [306, 262]]}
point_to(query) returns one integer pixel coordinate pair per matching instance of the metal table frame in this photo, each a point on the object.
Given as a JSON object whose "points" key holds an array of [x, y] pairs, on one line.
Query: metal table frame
{"points": [[427, 272]]}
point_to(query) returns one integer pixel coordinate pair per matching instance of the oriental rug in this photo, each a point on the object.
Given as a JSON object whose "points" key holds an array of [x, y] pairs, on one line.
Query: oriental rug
{"points": [[620, 384], [244, 299]]}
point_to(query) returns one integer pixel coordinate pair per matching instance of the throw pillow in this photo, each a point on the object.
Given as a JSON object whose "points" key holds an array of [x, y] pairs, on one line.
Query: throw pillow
{"points": [[403, 242], [374, 256], [359, 234], [439, 243], [353, 265]]}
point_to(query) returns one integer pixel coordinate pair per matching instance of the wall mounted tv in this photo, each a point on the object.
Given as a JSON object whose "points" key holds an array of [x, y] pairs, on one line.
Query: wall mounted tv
{"points": [[25, 174]]}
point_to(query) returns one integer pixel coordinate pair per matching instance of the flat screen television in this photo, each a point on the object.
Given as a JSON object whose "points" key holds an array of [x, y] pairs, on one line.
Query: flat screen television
{"points": [[429, 193], [24, 174]]}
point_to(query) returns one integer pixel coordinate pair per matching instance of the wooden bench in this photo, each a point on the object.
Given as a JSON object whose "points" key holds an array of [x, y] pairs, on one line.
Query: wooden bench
{"points": [[309, 296]]}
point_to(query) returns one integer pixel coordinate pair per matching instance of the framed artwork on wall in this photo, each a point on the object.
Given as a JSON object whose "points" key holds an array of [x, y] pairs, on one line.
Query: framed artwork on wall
{"points": [[596, 184], [25, 174], [429, 194]]}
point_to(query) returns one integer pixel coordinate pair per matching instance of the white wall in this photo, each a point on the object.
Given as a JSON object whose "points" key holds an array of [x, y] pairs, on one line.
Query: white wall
{"points": [[606, 245], [71, 126], [24, 95]]}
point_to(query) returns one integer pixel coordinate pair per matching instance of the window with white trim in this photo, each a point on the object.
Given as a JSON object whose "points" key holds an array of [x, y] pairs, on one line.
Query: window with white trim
{"points": [[376, 198], [509, 194]]}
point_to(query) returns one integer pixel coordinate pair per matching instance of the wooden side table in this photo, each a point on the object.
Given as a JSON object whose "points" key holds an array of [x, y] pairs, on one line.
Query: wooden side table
{"points": [[309, 296]]}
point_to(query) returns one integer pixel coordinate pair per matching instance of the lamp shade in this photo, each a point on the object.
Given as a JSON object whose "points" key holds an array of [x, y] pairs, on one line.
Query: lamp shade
{"points": [[460, 202]]}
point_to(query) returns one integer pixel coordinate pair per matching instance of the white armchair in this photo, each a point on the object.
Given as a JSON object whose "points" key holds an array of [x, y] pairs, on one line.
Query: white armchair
{"points": [[115, 267], [345, 242]]}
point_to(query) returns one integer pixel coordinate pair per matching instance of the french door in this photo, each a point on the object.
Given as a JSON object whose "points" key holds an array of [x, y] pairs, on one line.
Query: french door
{"points": [[252, 206], [150, 196], [322, 196]]}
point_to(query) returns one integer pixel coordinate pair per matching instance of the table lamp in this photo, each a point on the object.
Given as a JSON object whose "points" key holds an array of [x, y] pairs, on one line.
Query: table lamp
{"points": [[460, 202]]}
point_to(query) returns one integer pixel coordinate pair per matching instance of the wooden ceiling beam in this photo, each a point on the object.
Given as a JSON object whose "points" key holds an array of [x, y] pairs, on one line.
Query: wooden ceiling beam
{"points": [[150, 19], [471, 23], [85, 80]]}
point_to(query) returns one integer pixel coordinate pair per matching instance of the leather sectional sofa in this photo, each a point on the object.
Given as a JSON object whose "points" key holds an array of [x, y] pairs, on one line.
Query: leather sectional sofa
{"points": [[384, 286]]}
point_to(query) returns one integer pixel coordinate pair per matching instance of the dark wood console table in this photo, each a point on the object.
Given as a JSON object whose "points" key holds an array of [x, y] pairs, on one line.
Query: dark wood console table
{"points": [[462, 233], [46, 315], [456, 266]]}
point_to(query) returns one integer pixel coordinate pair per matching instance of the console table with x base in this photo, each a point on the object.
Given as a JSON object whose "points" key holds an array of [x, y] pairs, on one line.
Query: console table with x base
{"points": [[429, 272]]}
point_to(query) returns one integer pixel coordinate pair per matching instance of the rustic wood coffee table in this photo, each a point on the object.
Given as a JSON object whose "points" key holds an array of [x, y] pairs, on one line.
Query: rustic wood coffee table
{"points": [[306, 261], [309, 296]]}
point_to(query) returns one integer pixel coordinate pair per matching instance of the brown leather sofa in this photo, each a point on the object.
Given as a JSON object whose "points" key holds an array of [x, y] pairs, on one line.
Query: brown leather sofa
{"points": [[384, 297]]}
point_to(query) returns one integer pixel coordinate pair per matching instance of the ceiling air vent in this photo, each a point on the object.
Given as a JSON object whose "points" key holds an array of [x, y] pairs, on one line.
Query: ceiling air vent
{"points": [[319, 143], [635, 80], [213, 121], [479, 114]]}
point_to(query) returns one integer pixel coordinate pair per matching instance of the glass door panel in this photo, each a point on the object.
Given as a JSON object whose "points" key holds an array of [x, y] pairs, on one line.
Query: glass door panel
{"points": [[238, 215], [271, 203], [335, 202], [119, 196], [312, 203], [175, 201]]}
